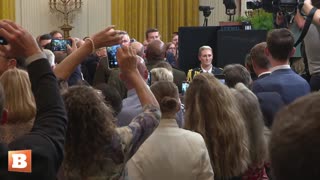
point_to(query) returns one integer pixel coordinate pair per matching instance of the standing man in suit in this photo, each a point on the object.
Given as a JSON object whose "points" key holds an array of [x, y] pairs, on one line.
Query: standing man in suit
{"points": [[205, 56], [270, 102], [260, 63], [282, 79]]}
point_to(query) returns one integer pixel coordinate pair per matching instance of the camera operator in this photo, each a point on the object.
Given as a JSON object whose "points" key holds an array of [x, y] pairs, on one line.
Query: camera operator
{"points": [[312, 44], [307, 7]]}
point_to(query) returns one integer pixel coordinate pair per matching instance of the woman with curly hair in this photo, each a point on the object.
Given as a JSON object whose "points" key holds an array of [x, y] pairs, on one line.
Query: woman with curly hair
{"points": [[19, 103], [95, 148], [211, 111]]}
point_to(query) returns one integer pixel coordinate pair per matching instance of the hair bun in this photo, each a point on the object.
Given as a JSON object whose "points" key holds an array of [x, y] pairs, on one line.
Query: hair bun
{"points": [[168, 103]]}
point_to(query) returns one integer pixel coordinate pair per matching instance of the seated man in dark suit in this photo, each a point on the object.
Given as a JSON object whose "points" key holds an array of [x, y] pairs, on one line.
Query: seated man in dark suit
{"points": [[260, 62], [282, 79], [205, 56]]}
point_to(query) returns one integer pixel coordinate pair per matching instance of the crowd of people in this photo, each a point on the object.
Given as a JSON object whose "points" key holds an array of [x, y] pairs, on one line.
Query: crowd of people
{"points": [[83, 119]]}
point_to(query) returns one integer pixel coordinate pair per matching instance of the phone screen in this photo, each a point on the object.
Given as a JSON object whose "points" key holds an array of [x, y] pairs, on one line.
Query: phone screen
{"points": [[3, 41], [112, 51], [60, 44], [184, 88]]}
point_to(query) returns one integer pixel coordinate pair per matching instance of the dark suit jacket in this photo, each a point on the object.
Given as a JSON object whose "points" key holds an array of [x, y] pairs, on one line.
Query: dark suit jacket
{"points": [[178, 75], [270, 104], [46, 139], [285, 82], [88, 67], [102, 73]]}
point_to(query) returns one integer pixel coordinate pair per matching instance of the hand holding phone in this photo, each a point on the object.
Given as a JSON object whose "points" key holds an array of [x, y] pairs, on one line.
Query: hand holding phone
{"points": [[60, 44]]}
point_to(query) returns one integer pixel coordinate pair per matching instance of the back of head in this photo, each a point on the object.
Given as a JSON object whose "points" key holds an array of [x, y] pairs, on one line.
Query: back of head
{"points": [[258, 56], [20, 101], [50, 56], [250, 110], [280, 43], [295, 140], [163, 64], [156, 51], [59, 56], [211, 111], [235, 73], [138, 47], [45, 37], [90, 127], [142, 68], [167, 95], [161, 74], [111, 97]]}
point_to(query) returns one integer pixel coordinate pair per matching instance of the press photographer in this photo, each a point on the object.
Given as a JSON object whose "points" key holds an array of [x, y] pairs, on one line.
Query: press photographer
{"points": [[307, 8], [283, 10]]}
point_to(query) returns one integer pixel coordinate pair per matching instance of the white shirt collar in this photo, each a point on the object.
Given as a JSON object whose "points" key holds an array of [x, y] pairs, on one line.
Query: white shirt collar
{"points": [[267, 72], [205, 71], [280, 67]]}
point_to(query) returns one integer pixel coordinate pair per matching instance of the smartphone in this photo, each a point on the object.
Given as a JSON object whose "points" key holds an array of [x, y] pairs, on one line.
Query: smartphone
{"points": [[184, 87], [113, 63], [3, 41], [112, 51], [60, 44]]}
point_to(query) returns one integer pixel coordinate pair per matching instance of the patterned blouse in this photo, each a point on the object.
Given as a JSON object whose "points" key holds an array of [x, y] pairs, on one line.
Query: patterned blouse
{"points": [[126, 141]]}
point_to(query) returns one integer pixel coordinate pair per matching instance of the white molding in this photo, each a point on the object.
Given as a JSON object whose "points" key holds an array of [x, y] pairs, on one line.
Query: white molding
{"points": [[35, 16]]}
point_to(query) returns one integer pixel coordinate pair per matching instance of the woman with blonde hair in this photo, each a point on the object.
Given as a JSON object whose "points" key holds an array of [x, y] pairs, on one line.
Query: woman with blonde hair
{"points": [[161, 74], [19, 103], [211, 111], [249, 107]]}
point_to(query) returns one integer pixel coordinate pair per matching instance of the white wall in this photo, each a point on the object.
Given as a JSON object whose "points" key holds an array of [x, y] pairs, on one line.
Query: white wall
{"points": [[35, 16]]}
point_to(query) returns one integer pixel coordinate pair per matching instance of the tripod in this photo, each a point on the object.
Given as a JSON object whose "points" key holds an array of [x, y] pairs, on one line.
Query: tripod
{"points": [[205, 22]]}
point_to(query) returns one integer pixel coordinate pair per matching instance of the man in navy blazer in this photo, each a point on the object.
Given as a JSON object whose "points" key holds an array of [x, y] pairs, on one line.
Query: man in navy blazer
{"points": [[282, 79]]}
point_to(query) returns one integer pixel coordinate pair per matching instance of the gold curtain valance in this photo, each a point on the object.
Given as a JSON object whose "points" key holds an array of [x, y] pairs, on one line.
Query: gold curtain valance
{"points": [[136, 16]]}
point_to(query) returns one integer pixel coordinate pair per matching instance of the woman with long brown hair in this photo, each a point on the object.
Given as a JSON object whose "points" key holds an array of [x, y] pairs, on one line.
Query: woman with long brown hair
{"points": [[211, 111]]}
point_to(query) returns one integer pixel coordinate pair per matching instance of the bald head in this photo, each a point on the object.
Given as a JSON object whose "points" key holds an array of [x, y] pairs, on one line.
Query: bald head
{"points": [[156, 51], [143, 71], [138, 47], [142, 68]]}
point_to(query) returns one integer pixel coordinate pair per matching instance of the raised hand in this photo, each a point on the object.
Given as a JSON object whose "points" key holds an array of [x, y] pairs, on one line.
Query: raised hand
{"points": [[73, 46], [106, 37], [127, 59], [20, 42]]}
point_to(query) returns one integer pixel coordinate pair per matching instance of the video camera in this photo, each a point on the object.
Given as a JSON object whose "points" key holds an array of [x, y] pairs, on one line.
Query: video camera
{"points": [[288, 7]]}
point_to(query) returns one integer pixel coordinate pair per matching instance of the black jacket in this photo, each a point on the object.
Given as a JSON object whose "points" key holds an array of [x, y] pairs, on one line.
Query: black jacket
{"points": [[46, 139]]}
